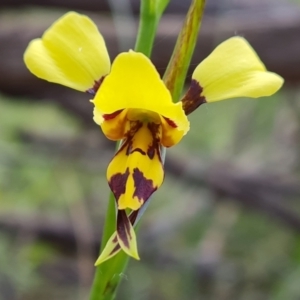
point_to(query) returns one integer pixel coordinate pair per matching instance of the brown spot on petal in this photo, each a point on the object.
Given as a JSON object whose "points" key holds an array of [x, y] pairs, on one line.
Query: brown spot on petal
{"points": [[123, 227], [192, 99], [132, 218], [151, 151], [143, 186], [117, 247], [96, 86], [155, 146], [138, 150], [134, 127], [107, 117], [133, 215], [170, 122], [130, 150], [117, 183]]}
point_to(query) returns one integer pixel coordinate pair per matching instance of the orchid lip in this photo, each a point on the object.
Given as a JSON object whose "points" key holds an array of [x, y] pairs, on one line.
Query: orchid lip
{"points": [[143, 115]]}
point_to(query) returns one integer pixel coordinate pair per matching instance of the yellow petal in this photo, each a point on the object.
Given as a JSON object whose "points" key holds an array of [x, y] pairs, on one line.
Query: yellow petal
{"points": [[126, 235], [136, 171], [71, 52], [111, 249], [170, 135], [113, 125], [134, 83], [232, 70]]}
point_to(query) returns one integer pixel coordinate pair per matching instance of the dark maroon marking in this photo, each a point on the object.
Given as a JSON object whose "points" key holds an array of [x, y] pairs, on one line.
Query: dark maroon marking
{"points": [[151, 151], [154, 147], [143, 186], [134, 127], [132, 216], [127, 142], [138, 150], [154, 129], [124, 144], [107, 117], [130, 149], [123, 227], [170, 122], [117, 183], [96, 86], [192, 98], [117, 247]]}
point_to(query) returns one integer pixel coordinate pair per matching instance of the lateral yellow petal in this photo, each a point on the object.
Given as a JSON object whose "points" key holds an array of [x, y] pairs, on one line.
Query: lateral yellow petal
{"points": [[71, 52], [136, 171], [113, 125], [134, 83], [111, 249], [232, 70], [170, 135]]}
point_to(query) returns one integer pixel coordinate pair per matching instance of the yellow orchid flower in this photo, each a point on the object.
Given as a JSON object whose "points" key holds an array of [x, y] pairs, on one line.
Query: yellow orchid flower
{"points": [[132, 104]]}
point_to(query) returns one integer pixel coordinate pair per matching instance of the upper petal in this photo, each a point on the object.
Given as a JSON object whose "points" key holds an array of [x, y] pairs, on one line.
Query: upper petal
{"points": [[232, 70], [71, 52], [134, 83]]}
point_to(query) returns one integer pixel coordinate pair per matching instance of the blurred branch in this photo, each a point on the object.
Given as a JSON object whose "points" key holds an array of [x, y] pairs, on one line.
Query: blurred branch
{"points": [[92, 5], [82, 228], [265, 193], [55, 231]]}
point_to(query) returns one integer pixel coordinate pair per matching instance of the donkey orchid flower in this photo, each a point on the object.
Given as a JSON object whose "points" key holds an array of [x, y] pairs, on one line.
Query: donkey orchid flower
{"points": [[133, 105]]}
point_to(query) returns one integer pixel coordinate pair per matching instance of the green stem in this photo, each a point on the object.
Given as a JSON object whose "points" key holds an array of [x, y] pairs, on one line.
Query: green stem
{"points": [[145, 45], [150, 14]]}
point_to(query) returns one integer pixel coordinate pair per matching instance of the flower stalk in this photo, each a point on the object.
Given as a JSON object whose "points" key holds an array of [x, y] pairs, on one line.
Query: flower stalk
{"points": [[150, 14]]}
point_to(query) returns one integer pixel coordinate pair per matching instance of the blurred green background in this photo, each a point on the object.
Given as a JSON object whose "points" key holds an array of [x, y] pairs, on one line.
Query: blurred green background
{"points": [[226, 222]]}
